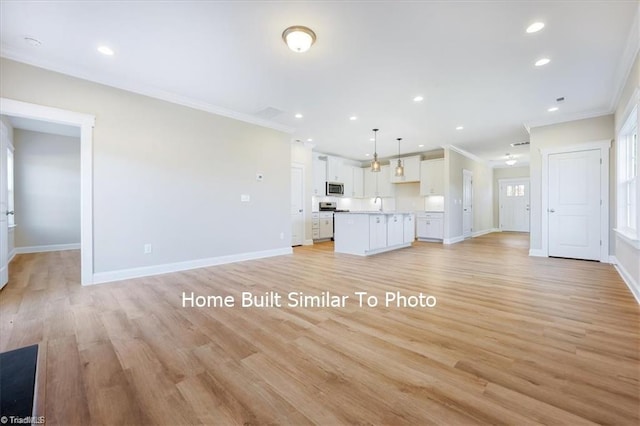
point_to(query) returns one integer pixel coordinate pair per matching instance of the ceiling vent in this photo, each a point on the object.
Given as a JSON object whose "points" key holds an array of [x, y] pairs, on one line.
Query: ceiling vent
{"points": [[519, 143], [268, 113]]}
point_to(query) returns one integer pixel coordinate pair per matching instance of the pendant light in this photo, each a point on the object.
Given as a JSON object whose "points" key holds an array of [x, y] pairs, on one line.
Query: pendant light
{"points": [[399, 167], [375, 164]]}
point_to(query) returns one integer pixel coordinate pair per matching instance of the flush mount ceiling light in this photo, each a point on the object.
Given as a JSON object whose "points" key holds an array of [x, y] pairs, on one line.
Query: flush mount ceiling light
{"points": [[543, 61], [535, 27], [375, 164], [299, 38], [106, 50], [399, 168], [510, 160]]}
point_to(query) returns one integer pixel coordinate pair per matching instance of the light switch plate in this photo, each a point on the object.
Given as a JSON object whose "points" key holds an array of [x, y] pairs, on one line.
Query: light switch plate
{"points": [[245, 198]]}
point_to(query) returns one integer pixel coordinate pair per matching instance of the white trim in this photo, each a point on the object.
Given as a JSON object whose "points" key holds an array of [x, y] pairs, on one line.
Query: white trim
{"points": [[144, 90], [453, 240], [43, 249], [465, 153], [537, 253], [634, 100], [308, 242], [627, 278], [86, 122], [301, 166], [565, 118], [632, 46], [484, 232], [633, 242], [167, 268], [603, 146]]}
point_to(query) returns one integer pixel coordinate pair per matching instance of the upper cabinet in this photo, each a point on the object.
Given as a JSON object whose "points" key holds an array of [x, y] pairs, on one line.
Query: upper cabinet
{"points": [[335, 169], [432, 177], [411, 169], [319, 176], [378, 183]]}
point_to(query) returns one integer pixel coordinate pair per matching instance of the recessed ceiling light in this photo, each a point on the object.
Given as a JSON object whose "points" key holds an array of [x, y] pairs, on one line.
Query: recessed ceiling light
{"points": [[298, 115], [552, 109], [535, 27], [543, 61], [353, 118], [33, 41], [105, 50], [366, 155], [421, 146], [418, 99], [459, 128], [309, 140]]}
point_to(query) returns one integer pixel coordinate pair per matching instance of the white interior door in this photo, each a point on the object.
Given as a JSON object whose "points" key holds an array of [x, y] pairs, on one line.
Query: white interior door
{"points": [[4, 223], [514, 205], [297, 206], [467, 203], [574, 205]]}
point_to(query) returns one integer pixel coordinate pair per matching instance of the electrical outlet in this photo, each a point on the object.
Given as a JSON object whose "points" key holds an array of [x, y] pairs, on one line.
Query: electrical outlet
{"points": [[147, 249], [259, 177]]}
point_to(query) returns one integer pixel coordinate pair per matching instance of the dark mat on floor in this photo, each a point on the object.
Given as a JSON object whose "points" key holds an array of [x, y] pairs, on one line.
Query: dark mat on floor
{"points": [[17, 381]]}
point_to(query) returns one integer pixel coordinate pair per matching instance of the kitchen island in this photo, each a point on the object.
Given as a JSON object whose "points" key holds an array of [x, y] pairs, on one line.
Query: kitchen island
{"points": [[367, 233]]}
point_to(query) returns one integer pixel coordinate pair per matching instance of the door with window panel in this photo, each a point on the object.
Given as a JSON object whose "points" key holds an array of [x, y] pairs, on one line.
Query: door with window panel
{"points": [[514, 205]]}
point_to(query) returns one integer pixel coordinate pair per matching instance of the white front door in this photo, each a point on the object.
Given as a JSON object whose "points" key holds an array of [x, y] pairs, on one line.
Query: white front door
{"points": [[297, 206], [514, 205], [467, 203], [4, 206], [574, 205]]}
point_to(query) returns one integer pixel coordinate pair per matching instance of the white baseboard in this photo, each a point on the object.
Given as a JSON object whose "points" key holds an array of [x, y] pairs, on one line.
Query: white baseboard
{"points": [[627, 278], [484, 232], [42, 249], [537, 253], [307, 243], [453, 240], [145, 271]]}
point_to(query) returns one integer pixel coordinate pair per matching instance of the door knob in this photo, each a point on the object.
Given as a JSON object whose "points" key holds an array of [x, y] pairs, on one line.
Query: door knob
{"points": [[10, 212], [552, 210]]}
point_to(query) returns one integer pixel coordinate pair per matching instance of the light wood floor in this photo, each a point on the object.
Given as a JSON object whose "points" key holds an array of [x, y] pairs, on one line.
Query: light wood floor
{"points": [[513, 339]]}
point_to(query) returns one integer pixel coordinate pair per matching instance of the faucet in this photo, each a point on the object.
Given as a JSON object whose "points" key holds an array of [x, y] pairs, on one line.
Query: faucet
{"points": [[376, 200]]}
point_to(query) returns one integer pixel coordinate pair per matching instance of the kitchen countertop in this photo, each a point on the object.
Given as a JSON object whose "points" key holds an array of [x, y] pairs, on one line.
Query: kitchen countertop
{"points": [[375, 212]]}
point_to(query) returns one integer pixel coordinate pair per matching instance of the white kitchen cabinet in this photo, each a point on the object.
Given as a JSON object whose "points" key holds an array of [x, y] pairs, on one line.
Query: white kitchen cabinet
{"points": [[395, 230], [432, 177], [325, 225], [319, 177], [378, 183], [377, 231], [347, 179], [358, 182], [409, 231], [430, 226], [411, 170], [335, 169], [315, 226]]}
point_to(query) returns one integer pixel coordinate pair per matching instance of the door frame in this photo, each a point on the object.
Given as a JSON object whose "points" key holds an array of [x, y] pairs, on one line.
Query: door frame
{"points": [[85, 122], [505, 181], [296, 165], [466, 173], [604, 146]]}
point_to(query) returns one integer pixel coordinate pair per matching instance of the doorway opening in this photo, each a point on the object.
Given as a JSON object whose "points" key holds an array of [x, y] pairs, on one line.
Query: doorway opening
{"points": [[83, 125]]}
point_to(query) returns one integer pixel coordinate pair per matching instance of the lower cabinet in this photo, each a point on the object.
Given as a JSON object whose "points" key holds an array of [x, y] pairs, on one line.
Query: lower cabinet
{"points": [[430, 226], [377, 231], [322, 226], [409, 230], [395, 230]]}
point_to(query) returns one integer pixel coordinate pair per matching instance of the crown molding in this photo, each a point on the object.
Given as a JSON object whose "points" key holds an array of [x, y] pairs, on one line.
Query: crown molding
{"points": [[566, 118], [141, 89], [466, 154], [629, 55]]}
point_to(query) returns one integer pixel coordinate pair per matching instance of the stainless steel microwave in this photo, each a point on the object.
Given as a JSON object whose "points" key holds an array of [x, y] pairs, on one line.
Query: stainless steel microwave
{"points": [[335, 189]]}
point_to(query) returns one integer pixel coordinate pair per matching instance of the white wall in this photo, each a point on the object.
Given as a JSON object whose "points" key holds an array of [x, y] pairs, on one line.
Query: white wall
{"points": [[169, 175], [504, 173], [47, 189], [454, 164], [559, 135], [11, 235]]}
